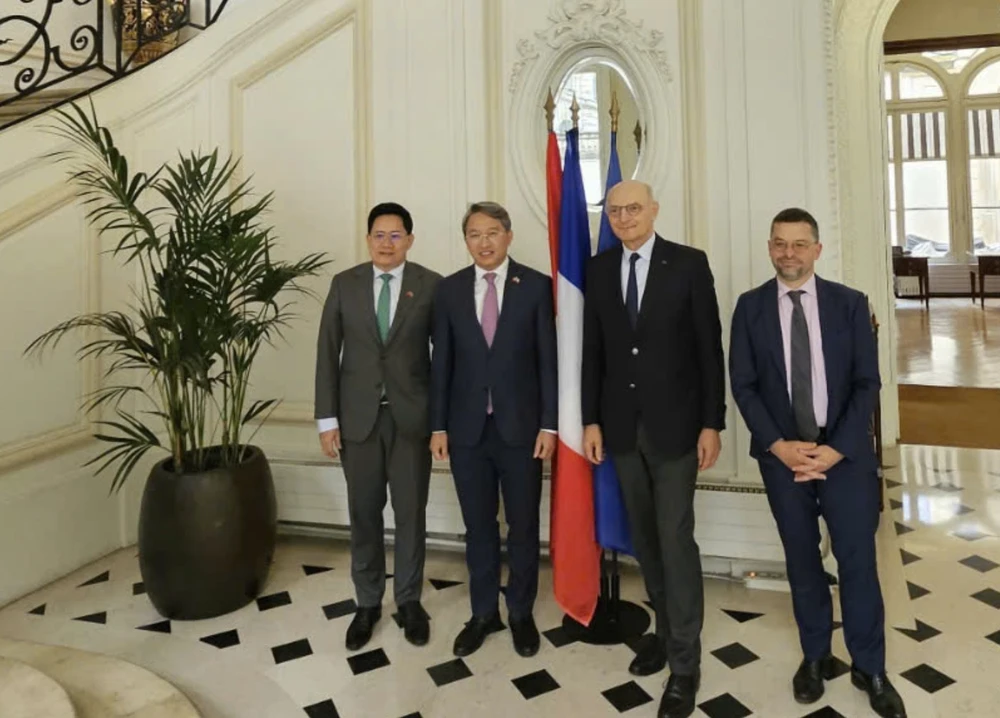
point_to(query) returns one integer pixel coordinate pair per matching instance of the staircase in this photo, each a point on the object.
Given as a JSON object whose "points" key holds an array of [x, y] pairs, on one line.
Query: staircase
{"points": [[29, 104], [42, 681]]}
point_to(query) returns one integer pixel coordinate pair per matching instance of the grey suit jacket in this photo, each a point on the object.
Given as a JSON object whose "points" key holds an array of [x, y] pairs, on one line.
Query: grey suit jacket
{"points": [[349, 385]]}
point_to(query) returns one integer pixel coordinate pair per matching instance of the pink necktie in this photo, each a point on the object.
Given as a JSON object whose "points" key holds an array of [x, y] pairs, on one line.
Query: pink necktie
{"points": [[491, 312]]}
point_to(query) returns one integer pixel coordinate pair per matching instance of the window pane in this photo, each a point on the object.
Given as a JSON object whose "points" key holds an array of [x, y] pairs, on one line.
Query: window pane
{"points": [[888, 86], [954, 61], [987, 81], [925, 199], [984, 183], [917, 84], [584, 86]]}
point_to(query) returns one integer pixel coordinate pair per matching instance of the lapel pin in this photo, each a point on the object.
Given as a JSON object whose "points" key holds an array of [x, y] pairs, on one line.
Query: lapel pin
{"points": [[516, 280], [409, 295]]}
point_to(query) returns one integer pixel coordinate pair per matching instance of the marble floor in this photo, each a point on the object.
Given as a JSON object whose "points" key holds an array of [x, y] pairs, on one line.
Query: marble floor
{"points": [[284, 655]]}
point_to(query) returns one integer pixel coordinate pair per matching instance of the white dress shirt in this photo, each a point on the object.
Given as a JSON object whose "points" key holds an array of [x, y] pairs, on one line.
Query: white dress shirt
{"points": [[395, 284], [482, 285], [810, 308], [645, 253]]}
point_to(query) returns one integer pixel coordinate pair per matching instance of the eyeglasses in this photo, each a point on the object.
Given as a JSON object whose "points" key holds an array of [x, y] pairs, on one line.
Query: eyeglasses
{"points": [[493, 235], [393, 237], [799, 246], [613, 210]]}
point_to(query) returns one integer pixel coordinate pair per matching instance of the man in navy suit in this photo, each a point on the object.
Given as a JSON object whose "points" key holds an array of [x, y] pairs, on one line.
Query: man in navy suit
{"points": [[804, 372], [494, 406]]}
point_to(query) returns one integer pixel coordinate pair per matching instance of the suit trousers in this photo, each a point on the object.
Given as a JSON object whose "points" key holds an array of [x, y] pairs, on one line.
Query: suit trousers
{"points": [[480, 471], [848, 501], [659, 498], [387, 458]]}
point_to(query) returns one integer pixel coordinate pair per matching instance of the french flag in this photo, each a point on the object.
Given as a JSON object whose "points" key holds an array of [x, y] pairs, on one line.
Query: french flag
{"points": [[573, 547]]}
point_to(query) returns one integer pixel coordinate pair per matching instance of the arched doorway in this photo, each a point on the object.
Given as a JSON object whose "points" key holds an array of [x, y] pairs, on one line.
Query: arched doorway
{"points": [[858, 29]]}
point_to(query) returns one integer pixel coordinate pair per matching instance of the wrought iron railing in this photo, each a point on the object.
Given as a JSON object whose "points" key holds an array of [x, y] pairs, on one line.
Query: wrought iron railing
{"points": [[54, 51]]}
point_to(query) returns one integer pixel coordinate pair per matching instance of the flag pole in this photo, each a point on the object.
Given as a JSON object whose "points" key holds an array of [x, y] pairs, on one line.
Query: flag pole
{"points": [[615, 621]]}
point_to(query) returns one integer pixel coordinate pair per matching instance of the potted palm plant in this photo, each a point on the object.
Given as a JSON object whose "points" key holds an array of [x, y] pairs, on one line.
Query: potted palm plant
{"points": [[177, 363]]}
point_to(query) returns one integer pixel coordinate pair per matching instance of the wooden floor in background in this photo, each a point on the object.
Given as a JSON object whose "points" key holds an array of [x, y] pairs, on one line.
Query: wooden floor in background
{"points": [[948, 359]]}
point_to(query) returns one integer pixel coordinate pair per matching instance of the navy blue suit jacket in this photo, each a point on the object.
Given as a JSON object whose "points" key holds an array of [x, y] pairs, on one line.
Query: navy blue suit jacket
{"points": [[520, 368], [758, 378]]}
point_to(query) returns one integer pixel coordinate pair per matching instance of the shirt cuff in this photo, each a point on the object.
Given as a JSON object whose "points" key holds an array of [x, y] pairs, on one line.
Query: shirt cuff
{"points": [[550, 431], [327, 424]]}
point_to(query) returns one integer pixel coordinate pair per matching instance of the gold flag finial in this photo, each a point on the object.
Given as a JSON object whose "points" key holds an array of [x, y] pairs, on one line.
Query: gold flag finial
{"points": [[575, 109], [638, 137], [550, 110], [615, 111]]}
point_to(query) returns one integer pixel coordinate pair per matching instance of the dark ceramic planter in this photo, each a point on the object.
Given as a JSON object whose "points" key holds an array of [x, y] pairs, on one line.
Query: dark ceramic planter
{"points": [[206, 539]]}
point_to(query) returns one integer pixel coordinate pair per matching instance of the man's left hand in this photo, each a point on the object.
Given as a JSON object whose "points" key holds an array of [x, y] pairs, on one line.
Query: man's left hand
{"points": [[826, 457], [545, 445], [709, 446]]}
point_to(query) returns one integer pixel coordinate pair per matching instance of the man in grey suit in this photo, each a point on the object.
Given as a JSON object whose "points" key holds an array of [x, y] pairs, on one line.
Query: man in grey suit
{"points": [[372, 377]]}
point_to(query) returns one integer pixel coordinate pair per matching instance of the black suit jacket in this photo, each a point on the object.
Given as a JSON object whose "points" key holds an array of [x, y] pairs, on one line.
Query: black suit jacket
{"points": [[850, 356], [520, 368], [670, 369]]}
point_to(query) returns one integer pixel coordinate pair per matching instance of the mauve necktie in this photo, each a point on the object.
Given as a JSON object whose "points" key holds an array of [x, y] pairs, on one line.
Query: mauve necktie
{"points": [[491, 313], [802, 394], [632, 292]]}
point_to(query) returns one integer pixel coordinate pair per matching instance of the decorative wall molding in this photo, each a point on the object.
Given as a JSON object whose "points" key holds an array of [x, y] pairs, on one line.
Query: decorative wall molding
{"points": [[577, 30], [574, 22]]}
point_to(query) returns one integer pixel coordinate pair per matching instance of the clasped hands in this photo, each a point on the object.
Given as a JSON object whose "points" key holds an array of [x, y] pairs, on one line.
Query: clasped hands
{"points": [[806, 459]]}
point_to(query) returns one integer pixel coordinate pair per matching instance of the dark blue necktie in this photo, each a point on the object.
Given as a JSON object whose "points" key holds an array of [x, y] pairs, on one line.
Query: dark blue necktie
{"points": [[632, 292]]}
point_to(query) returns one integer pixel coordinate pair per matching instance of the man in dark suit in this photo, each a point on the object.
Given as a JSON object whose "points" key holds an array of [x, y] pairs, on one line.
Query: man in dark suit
{"points": [[372, 408], [653, 393], [494, 409], [804, 372]]}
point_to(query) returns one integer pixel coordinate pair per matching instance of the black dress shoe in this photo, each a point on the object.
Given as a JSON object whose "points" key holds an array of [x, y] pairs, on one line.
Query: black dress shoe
{"points": [[678, 698], [808, 681], [526, 638], [475, 632], [882, 695], [416, 627], [650, 656], [360, 630]]}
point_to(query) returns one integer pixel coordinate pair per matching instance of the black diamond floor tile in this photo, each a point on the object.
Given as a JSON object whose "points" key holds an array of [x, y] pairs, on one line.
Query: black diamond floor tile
{"points": [[979, 563], [339, 609], [291, 651], [226, 639], [989, 596], [840, 668], [559, 637], [948, 487], [449, 672], [962, 510], [735, 655], [725, 706], [399, 619], [892, 484], [995, 637], [324, 709], [441, 584], [902, 529], [921, 633], [915, 590], [101, 578], [908, 557], [627, 696], [894, 504], [101, 618], [370, 661], [138, 589], [825, 712], [313, 570], [742, 616], [413, 715], [275, 600], [535, 684], [160, 627], [837, 624], [38, 610], [969, 533], [928, 678]]}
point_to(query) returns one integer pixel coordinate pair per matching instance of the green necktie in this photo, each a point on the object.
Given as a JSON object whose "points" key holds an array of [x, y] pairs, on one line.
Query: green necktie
{"points": [[382, 310]]}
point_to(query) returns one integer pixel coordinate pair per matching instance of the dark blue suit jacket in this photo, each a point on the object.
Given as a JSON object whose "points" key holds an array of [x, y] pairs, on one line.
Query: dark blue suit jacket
{"points": [[520, 368], [757, 370]]}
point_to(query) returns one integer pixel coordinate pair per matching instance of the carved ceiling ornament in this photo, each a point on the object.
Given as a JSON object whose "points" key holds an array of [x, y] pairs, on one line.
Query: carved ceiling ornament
{"points": [[577, 22], [577, 31]]}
